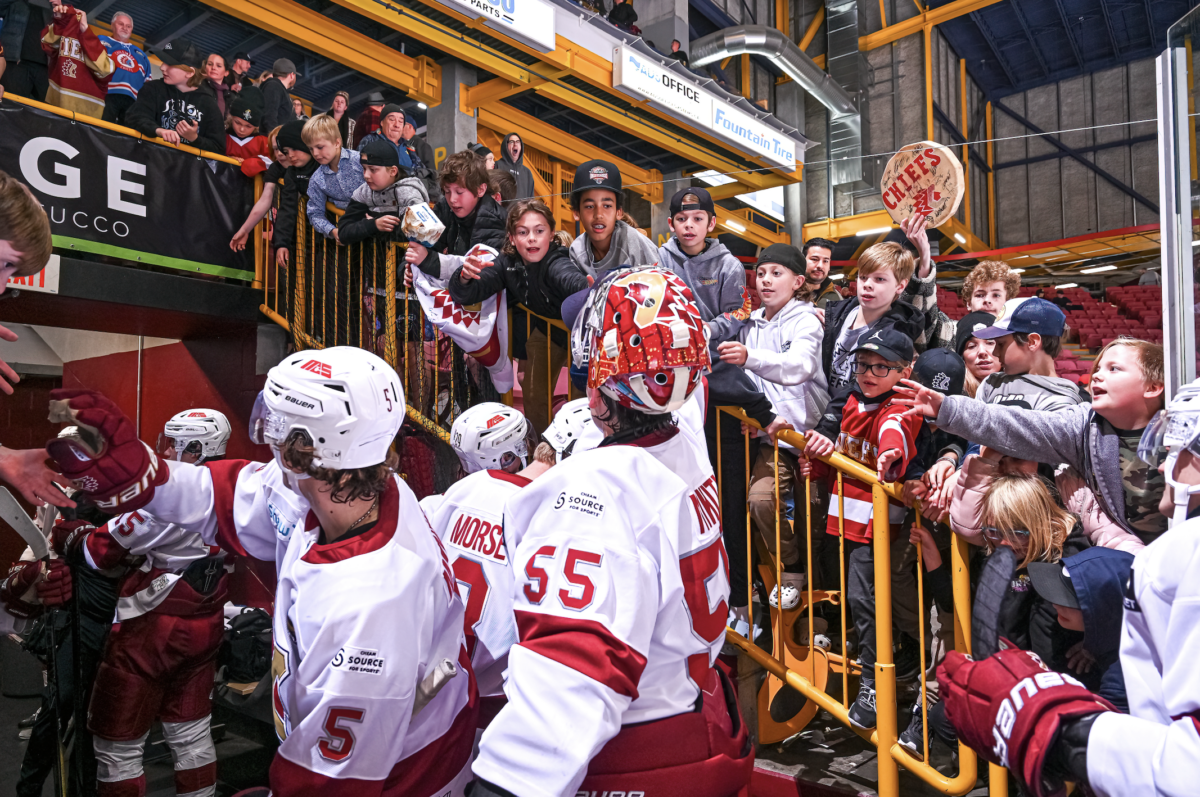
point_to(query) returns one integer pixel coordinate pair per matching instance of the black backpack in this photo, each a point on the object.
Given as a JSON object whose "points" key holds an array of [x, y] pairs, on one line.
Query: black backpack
{"points": [[246, 650]]}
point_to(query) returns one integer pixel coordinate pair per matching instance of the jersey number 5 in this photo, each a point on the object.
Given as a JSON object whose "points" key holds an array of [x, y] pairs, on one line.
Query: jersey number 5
{"points": [[339, 742]]}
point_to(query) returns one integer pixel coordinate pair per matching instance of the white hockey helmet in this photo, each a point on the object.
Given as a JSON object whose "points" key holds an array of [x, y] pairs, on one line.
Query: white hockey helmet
{"points": [[490, 436], [203, 433], [1171, 431], [347, 400], [569, 424]]}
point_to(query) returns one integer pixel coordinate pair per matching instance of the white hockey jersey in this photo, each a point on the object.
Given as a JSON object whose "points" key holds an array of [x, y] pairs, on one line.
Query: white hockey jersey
{"points": [[469, 518], [244, 507], [169, 549], [621, 598], [359, 624], [689, 418], [1154, 751]]}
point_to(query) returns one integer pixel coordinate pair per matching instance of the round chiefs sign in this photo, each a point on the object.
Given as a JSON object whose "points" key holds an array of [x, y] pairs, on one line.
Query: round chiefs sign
{"points": [[923, 179]]}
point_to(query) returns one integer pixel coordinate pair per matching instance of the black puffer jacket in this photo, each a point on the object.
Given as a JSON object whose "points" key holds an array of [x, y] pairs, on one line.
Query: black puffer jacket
{"points": [[484, 226], [541, 287]]}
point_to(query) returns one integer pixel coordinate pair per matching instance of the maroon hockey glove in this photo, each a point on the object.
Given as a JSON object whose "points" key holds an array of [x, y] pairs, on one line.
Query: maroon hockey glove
{"points": [[18, 592], [1008, 708], [68, 537], [104, 459], [56, 588]]}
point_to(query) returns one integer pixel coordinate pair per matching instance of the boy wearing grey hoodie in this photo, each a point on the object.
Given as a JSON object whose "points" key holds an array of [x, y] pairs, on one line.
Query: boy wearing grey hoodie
{"points": [[716, 277], [606, 242], [378, 205]]}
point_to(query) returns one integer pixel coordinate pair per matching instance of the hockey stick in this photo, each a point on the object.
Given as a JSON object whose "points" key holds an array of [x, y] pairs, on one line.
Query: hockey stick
{"points": [[60, 764]]}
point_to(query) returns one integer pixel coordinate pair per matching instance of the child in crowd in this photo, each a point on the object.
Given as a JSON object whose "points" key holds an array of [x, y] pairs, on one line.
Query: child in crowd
{"points": [[172, 109], [606, 242], [538, 273], [1127, 387], [272, 181], [1020, 513], [1086, 591], [338, 174], [717, 278], [818, 257], [502, 186], [244, 141], [300, 170], [78, 64], [1028, 334], [780, 347], [470, 214], [25, 240], [876, 433], [377, 206], [1098, 440], [989, 286], [979, 355]]}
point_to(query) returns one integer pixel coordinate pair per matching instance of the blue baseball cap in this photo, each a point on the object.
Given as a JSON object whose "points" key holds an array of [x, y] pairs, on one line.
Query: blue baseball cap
{"points": [[1025, 315]]}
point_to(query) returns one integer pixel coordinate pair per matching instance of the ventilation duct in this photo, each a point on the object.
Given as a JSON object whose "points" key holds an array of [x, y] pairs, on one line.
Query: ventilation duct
{"points": [[841, 90]]}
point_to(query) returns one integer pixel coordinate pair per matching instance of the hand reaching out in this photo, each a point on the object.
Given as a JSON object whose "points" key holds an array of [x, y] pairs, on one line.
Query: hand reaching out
{"points": [[919, 536], [27, 472], [914, 229], [732, 352], [415, 254], [6, 371], [885, 461], [238, 242], [920, 400], [472, 267], [387, 223], [937, 474]]}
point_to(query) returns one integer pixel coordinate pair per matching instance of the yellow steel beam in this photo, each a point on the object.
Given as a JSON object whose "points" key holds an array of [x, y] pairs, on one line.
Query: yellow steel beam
{"points": [[420, 78], [496, 89], [810, 32], [731, 222], [928, 82], [783, 17], [966, 155], [954, 227], [567, 148], [580, 63], [932, 16], [847, 225]]}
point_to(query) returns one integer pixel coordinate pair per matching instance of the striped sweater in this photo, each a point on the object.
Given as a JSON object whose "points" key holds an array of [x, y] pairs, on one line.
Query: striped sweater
{"points": [[868, 427], [79, 66]]}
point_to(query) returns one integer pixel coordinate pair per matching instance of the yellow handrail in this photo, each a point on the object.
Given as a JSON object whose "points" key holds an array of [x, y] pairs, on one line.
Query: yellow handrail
{"points": [[884, 737]]}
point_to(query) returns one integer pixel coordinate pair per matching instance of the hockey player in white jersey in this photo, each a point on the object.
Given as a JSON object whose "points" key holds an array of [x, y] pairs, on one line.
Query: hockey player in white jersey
{"points": [[493, 442], [160, 658], [1047, 728], [622, 582], [373, 692]]}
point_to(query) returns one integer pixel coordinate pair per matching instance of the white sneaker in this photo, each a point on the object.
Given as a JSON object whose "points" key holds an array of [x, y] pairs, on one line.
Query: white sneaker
{"points": [[792, 584]]}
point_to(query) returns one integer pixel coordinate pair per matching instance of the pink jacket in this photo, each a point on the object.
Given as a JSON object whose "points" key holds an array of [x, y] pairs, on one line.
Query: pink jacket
{"points": [[977, 475]]}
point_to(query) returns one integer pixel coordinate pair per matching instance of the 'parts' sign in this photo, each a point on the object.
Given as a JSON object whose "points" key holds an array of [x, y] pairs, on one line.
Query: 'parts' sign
{"points": [[923, 179], [639, 75], [530, 21]]}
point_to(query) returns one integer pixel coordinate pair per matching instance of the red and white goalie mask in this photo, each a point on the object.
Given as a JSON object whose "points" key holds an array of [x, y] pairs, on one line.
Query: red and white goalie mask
{"points": [[649, 346]]}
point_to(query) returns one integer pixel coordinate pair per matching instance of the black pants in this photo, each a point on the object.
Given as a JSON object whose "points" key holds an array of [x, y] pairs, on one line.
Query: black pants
{"points": [[26, 79], [41, 753], [731, 473], [115, 107]]}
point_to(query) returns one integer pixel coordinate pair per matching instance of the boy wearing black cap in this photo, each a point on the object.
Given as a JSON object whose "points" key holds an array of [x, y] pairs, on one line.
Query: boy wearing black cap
{"points": [[172, 109], [716, 277], [377, 205], [244, 141], [605, 243]]}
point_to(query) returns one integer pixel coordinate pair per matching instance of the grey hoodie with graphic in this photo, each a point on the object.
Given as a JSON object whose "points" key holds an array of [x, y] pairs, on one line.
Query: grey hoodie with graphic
{"points": [[718, 283]]}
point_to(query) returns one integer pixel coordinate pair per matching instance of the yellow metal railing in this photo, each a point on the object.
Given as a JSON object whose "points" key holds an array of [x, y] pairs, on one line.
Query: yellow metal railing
{"points": [[806, 667]]}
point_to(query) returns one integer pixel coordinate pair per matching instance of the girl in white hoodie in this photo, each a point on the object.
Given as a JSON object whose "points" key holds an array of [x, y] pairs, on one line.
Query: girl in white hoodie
{"points": [[780, 346]]}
